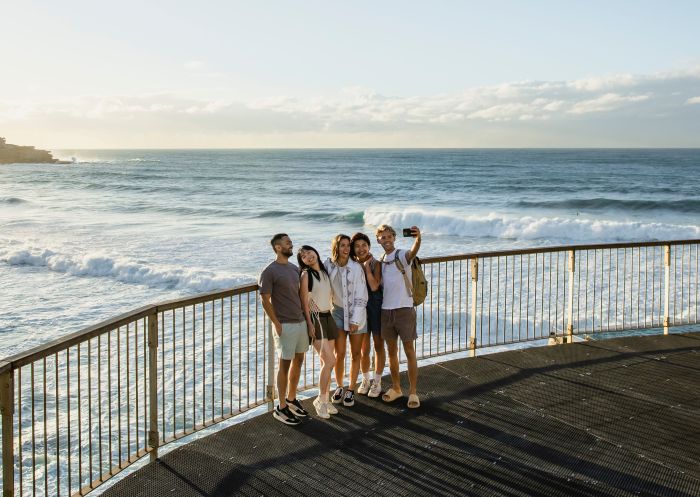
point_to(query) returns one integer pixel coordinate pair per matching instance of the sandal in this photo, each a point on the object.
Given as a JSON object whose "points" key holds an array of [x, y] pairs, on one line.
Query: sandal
{"points": [[391, 395], [413, 401]]}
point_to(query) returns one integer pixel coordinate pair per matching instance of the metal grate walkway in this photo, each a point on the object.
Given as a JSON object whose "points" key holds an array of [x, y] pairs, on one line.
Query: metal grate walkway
{"points": [[618, 417]]}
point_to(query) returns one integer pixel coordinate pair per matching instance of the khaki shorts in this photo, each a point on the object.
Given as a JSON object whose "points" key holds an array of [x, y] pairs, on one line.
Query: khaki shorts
{"points": [[294, 340], [399, 323]]}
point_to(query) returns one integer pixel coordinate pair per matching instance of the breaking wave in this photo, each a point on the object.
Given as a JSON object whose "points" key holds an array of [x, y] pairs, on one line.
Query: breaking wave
{"points": [[530, 227], [122, 270], [601, 203]]}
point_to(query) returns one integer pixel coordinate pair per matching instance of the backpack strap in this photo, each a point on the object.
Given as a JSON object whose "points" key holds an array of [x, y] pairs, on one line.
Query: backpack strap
{"points": [[399, 265]]}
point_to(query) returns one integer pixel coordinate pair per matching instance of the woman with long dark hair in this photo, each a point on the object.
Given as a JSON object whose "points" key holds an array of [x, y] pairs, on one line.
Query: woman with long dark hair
{"points": [[359, 251], [317, 301]]}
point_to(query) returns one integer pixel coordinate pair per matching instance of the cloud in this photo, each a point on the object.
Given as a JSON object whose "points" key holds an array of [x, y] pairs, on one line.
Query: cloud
{"points": [[604, 103], [194, 65], [536, 113]]}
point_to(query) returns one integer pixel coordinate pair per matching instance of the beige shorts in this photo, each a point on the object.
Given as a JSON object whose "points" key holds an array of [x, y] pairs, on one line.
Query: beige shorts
{"points": [[294, 340], [399, 323]]}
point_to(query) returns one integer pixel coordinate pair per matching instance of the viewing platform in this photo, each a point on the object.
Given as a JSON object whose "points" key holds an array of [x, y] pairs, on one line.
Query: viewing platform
{"points": [[596, 418], [581, 416]]}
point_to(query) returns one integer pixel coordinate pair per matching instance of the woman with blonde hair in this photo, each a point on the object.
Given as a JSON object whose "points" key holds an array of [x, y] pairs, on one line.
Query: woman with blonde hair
{"points": [[349, 312]]}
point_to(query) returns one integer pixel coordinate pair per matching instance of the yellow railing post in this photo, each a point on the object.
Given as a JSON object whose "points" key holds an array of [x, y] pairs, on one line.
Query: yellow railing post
{"points": [[667, 288], [7, 408], [153, 436], [475, 280], [570, 302]]}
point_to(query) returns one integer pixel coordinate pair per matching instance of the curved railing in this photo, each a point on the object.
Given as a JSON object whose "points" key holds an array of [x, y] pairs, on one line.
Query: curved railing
{"points": [[80, 409]]}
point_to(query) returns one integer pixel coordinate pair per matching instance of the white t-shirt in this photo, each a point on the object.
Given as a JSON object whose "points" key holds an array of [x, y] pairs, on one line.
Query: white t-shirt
{"points": [[396, 294]]}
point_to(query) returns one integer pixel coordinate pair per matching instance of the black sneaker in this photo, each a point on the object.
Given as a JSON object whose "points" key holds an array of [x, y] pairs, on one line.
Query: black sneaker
{"points": [[296, 408], [349, 399], [286, 416], [337, 397]]}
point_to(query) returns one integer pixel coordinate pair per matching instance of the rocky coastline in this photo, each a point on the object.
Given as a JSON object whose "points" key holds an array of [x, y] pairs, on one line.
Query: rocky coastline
{"points": [[16, 154]]}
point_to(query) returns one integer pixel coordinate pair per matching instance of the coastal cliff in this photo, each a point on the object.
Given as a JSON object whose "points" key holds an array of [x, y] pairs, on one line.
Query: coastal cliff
{"points": [[11, 154]]}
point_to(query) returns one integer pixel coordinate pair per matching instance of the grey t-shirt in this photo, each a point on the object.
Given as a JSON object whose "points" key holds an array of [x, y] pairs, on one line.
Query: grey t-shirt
{"points": [[281, 281]]}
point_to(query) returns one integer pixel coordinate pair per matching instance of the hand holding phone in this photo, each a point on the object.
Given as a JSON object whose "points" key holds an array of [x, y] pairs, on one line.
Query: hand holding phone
{"points": [[407, 232]]}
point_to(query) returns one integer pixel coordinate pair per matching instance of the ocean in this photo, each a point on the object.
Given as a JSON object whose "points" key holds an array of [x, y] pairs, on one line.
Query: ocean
{"points": [[115, 230]]}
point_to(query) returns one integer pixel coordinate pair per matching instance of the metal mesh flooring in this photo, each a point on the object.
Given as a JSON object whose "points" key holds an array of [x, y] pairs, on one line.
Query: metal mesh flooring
{"points": [[618, 417]]}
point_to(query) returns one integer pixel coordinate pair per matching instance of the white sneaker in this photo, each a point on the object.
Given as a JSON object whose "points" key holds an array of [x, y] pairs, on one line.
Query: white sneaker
{"points": [[321, 409], [331, 408], [364, 386], [375, 390]]}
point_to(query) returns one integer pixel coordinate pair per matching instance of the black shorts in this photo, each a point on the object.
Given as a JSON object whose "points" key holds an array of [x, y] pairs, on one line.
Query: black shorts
{"points": [[324, 326], [374, 313]]}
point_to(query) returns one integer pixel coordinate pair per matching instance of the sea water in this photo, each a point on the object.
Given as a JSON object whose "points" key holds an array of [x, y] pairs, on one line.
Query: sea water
{"points": [[115, 230]]}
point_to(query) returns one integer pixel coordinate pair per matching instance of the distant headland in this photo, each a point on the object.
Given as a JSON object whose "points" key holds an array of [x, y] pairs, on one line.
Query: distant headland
{"points": [[12, 154]]}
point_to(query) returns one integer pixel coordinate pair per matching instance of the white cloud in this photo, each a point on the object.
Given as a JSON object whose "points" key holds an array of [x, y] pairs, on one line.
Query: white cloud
{"points": [[194, 65], [493, 112], [604, 103]]}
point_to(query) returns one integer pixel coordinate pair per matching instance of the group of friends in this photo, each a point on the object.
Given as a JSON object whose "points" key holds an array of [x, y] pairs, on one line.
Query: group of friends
{"points": [[351, 296]]}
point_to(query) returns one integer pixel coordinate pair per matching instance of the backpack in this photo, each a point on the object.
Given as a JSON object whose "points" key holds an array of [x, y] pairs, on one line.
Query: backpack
{"points": [[418, 286]]}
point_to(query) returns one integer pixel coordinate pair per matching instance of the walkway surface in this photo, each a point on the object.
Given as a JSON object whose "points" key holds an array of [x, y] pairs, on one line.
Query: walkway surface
{"points": [[600, 418]]}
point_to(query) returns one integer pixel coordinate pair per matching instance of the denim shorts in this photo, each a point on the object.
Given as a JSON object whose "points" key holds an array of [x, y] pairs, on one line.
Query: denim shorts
{"points": [[340, 320]]}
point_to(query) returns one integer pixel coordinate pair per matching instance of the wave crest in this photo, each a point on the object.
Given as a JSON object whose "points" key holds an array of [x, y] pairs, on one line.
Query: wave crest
{"points": [[529, 227], [601, 203], [122, 270]]}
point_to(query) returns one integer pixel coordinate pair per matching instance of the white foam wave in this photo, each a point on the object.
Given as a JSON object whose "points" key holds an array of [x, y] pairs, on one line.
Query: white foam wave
{"points": [[121, 269], [530, 228]]}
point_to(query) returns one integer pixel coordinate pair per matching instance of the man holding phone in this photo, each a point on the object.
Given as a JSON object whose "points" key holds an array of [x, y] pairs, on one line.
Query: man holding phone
{"points": [[398, 312]]}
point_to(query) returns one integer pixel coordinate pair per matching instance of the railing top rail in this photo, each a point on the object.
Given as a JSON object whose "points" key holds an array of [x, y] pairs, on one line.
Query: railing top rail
{"points": [[85, 334], [558, 248], [67, 341], [206, 297]]}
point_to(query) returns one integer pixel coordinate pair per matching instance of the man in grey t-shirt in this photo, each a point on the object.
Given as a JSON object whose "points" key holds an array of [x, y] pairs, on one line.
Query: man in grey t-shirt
{"points": [[279, 289]]}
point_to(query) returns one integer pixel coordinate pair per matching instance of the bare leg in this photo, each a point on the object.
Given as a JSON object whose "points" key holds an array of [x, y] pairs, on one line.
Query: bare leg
{"points": [[355, 351], [327, 360], [294, 373], [379, 357], [410, 349], [340, 344], [282, 374], [392, 348], [366, 351]]}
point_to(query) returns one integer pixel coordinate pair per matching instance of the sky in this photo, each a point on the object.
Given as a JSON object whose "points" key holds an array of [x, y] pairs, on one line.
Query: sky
{"points": [[230, 74]]}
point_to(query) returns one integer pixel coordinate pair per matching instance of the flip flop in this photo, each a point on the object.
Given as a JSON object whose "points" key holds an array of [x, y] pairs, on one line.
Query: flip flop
{"points": [[391, 395], [413, 401]]}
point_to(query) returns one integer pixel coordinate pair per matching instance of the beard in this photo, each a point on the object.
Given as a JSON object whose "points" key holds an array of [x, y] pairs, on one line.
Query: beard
{"points": [[287, 252]]}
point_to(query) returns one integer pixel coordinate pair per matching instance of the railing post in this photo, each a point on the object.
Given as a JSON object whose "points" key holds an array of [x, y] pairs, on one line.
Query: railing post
{"points": [[270, 387], [7, 408], [570, 302], [475, 279], [153, 436], [667, 283]]}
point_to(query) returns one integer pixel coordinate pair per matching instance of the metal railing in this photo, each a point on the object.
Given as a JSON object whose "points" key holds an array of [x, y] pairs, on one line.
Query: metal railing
{"points": [[78, 410]]}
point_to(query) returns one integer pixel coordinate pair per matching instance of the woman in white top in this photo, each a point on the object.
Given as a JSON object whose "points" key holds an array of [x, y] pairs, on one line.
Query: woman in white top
{"points": [[350, 314], [317, 301]]}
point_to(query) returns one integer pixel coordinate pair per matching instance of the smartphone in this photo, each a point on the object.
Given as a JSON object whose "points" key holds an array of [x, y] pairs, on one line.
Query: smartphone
{"points": [[407, 232]]}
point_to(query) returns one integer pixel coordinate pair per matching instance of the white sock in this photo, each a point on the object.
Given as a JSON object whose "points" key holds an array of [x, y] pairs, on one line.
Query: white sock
{"points": [[365, 376]]}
